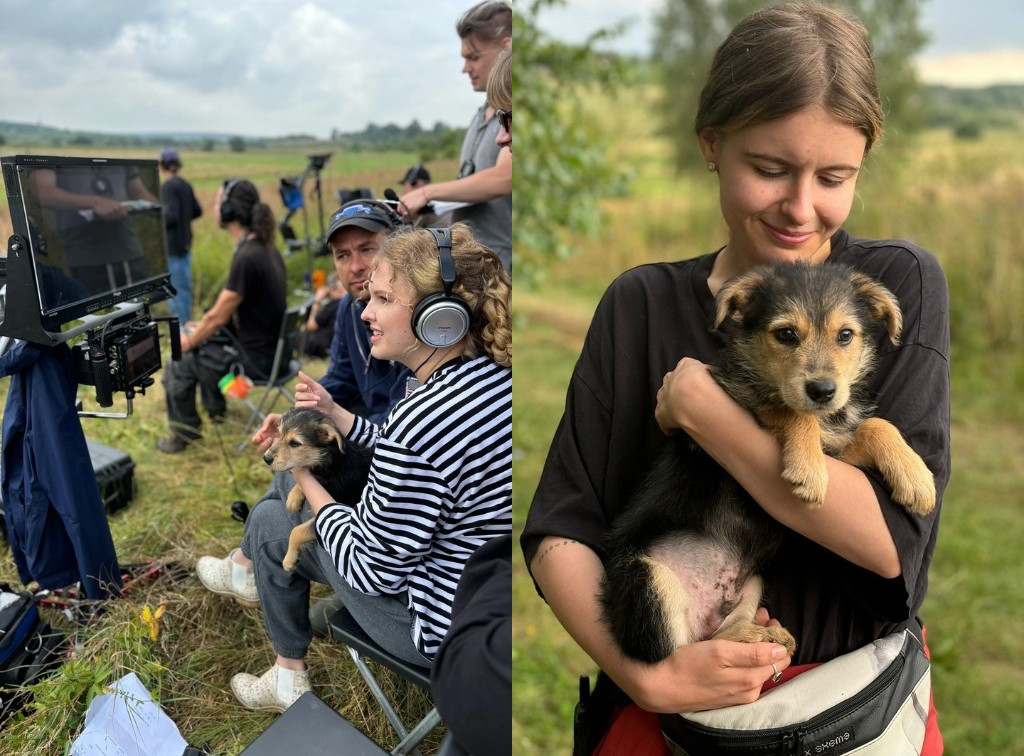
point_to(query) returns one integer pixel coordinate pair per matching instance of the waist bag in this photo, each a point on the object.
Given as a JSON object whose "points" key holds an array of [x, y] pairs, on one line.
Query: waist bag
{"points": [[870, 701]]}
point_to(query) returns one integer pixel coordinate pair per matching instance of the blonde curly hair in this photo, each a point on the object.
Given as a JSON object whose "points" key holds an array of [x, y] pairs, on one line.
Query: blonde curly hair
{"points": [[480, 279]]}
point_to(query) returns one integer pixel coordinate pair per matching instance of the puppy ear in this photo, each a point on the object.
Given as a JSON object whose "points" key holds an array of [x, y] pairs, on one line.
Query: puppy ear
{"points": [[329, 434], [737, 296], [882, 305]]}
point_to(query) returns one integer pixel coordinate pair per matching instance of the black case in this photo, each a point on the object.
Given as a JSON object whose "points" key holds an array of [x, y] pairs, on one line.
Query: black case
{"points": [[115, 474]]}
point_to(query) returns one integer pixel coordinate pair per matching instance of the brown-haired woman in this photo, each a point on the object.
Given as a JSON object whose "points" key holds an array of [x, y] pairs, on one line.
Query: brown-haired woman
{"points": [[787, 117]]}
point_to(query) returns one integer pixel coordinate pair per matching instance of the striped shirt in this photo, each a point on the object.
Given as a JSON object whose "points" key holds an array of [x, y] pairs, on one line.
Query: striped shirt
{"points": [[440, 485]]}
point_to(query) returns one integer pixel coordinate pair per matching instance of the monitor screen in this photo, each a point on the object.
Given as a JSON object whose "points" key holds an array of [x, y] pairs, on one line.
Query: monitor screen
{"points": [[95, 230]]}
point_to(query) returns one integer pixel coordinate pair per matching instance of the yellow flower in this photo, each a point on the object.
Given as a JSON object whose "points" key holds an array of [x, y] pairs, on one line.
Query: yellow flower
{"points": [[151, 618]]}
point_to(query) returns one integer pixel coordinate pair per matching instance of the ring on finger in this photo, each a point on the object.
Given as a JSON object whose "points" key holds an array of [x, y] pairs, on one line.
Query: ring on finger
{"points": [[778, 675]]}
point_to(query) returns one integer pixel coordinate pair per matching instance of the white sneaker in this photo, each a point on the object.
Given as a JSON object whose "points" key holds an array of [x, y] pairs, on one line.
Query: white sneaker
{"points": [[227, 578], [274, 690]]}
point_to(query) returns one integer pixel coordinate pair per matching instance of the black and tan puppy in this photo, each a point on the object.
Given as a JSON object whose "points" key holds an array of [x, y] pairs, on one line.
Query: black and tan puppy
{"points": [[310, 439], [684, 558]]}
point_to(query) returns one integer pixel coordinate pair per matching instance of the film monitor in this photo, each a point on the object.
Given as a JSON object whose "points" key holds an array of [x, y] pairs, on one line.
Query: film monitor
{"points": [[95, 232]]}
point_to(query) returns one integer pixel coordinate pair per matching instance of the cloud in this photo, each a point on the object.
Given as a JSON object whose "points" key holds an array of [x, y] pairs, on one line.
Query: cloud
{"points": [[976, 69], [267, 68]]}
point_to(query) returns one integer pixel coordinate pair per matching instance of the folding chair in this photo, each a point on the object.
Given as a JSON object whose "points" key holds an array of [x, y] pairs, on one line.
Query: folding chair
{"points": [[346, 630], [284, 369]]}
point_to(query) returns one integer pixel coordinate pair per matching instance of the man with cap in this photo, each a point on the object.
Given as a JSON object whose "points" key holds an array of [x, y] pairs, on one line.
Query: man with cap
{"points": [[180, 209], [355, 379]]}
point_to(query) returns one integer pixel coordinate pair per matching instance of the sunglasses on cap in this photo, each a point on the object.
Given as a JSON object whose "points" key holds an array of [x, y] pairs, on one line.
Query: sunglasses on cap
{"points": [[351, 210], [504, 119]]}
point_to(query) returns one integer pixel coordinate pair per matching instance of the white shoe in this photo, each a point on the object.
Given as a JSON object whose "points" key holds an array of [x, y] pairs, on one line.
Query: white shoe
{"points": [[228, 578], [275, 690]]}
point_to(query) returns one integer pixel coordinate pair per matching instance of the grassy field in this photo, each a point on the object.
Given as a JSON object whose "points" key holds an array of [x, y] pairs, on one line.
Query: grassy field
{"points": [[182, 511], [962, 200]]}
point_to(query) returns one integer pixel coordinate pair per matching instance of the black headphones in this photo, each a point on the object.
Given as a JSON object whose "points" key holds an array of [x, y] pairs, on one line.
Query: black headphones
{"points": [[227, 213], [442, 318]]}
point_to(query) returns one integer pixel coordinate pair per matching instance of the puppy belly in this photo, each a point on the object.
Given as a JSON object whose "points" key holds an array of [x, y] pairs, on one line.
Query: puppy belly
{"points": [[709, 579]]}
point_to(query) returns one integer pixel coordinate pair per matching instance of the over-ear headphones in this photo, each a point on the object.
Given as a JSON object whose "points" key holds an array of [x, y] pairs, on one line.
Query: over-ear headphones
{"points": [[227, 213], [442, 318]]}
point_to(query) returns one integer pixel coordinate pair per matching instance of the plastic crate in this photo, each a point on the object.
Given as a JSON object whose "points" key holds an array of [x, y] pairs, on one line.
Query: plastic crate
{"points": [[115, 474]]}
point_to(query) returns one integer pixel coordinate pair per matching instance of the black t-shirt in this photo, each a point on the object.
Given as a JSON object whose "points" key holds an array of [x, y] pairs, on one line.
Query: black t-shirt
{"points": [[654, 315], [257, 275]]}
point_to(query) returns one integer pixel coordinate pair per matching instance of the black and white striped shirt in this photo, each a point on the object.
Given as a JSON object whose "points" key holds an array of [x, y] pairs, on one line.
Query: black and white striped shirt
{"points": [[440, 485]]}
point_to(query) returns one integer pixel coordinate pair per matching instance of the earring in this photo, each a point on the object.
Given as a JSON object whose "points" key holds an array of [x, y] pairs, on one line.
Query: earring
{"points": [[712, 167]]}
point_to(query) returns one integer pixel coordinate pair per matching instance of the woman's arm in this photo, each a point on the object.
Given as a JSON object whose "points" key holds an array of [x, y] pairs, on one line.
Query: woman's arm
{"points": [[850, 523], [219, 315], [698, 676], [482, 186], [311, 395]]}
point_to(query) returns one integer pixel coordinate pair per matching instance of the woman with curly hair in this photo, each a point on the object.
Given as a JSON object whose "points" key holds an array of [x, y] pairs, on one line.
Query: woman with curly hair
{"points": [[440, 483]]}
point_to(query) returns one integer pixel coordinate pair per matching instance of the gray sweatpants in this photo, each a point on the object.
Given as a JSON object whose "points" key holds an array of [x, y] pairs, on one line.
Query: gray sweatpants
{"points": [[284, 595]]}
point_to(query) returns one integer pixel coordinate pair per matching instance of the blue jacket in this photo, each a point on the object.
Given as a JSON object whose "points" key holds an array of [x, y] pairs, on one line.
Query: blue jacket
{"points": [[355, 380], [55, 518]]}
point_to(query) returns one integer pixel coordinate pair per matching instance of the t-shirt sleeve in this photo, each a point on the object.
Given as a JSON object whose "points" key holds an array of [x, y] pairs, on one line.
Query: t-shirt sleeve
{"points": [[569, 496], [913, 393]]}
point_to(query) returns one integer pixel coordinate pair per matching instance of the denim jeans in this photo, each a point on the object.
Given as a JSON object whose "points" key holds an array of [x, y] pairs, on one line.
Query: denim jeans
{"points": [[181, 280], [284, 595]]}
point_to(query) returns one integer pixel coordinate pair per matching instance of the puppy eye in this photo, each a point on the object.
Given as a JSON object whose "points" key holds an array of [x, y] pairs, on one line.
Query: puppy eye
{"points": [[845, 336], [293, 443], [786, 336]]}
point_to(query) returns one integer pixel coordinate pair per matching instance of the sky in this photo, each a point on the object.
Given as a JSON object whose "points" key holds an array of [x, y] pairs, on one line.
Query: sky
{"points": [[312, 66]]}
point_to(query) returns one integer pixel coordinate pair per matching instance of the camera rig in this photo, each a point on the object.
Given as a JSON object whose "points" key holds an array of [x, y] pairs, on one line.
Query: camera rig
{"points": [[121, 355]]}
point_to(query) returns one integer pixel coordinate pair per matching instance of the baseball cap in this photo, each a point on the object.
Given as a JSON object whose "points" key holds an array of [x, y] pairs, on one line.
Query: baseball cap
{"points": [[366, 214], [414, 174], [170, 156]]}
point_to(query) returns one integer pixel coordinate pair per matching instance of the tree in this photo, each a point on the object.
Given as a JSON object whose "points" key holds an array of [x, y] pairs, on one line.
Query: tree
{"points": [[236, 144], [556, 187], [688, 32]]}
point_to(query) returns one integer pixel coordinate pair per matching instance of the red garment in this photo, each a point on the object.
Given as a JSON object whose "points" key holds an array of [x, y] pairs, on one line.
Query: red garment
{"points": [[635, 732]]}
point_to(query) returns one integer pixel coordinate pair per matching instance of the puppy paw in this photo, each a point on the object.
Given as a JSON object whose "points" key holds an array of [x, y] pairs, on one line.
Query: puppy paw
{"points": [[751, 632], [294, 501], [914, 487], [290, 559], [782, 636], [810, 484]]}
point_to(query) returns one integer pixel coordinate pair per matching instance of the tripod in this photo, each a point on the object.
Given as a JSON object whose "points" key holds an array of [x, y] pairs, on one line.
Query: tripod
{"points": [[292, 196]]}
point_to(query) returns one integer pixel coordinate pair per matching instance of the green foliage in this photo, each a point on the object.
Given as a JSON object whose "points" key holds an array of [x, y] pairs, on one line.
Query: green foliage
{"points": [[687, 33], [236, 144], [997, 107], [566, 169]]}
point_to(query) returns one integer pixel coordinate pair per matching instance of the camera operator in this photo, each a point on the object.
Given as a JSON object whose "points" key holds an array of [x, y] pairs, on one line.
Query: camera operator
{"points": [[239, 332], [485, 175]]}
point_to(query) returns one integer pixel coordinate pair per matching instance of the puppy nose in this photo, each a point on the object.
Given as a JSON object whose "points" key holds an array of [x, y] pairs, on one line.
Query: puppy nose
{"points": [[268, 459], [820, 390]]}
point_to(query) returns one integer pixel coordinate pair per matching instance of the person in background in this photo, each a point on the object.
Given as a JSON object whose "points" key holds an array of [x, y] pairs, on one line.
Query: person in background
{"points": [[180, 209], [485, 172], [471, 680], [322, 314], [418, 177], [239, 332]]}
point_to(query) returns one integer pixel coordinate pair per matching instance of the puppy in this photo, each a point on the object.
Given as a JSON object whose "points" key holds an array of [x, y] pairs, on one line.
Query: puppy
{"points": [[310, 439], [684, 559]]}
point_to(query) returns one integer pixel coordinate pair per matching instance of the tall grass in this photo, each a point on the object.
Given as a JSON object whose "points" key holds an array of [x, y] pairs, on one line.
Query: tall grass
{"points": [[961, 200]]}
